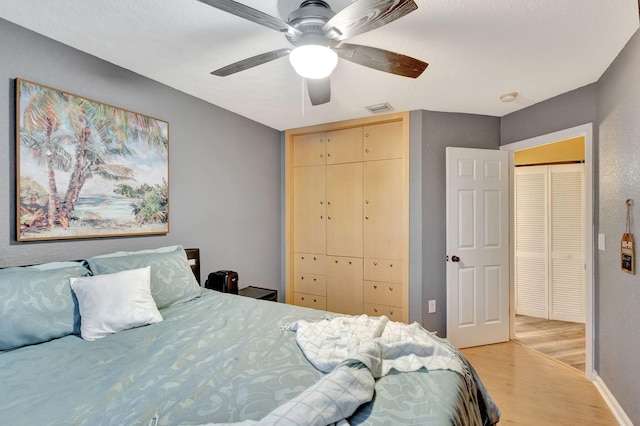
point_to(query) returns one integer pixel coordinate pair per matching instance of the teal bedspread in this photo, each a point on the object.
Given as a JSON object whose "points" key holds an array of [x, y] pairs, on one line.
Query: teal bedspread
{"points": [[217, 359]]}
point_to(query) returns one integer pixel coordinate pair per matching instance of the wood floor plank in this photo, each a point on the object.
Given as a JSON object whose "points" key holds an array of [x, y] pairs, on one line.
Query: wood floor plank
{"points": [[564, 341], [533, 389]]}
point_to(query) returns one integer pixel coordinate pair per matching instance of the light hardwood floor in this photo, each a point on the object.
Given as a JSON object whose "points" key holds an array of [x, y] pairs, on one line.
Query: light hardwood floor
{"points": [[533, 389], [564, 341]]}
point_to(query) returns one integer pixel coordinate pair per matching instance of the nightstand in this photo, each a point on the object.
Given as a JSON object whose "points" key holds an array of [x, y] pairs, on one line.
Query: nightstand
{"points": [[259, 293]]}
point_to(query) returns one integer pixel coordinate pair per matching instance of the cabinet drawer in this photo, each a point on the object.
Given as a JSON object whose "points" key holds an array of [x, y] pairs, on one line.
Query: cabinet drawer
{"points": [[377, 292], [391, 312], [309, 263], [310, 283], [310, 301], [383, 270]]}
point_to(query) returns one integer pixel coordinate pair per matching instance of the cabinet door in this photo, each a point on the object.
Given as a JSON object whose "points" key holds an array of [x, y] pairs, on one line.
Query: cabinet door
{"points": [[309, 150], [383, 141], [344, 285], [344, 209], [309, 222], [384, 223], [344, 146]]}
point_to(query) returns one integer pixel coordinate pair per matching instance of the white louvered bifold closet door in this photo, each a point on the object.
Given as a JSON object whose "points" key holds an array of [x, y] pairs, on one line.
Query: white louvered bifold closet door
{"points": [[531, 234], [567, 284]]}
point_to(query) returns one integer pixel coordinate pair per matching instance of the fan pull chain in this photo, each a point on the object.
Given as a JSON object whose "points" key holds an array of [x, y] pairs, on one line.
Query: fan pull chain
{"points": [[302, 97]]}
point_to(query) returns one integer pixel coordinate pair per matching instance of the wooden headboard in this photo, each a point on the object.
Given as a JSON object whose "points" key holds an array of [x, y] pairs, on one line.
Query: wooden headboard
{"points": [[193, 255]]}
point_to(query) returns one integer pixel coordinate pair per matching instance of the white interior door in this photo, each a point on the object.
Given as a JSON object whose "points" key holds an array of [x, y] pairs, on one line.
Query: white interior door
{"points": [[531, 241], [477, 246]]}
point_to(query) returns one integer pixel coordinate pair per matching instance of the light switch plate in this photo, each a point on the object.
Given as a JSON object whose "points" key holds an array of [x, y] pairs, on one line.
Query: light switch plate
{"points": [[601, 243], [432, 306]]}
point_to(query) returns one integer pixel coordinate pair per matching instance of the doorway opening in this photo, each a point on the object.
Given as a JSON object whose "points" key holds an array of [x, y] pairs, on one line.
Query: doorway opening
{"points": [[549, 249], [548, 333]]}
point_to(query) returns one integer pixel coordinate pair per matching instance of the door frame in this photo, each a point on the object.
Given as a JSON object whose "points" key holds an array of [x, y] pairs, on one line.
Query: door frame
{"points": [[585, 131]]}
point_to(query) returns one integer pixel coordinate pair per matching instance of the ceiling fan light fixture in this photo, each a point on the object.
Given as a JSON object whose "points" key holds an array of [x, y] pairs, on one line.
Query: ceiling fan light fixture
{"points": [[313, 61]]}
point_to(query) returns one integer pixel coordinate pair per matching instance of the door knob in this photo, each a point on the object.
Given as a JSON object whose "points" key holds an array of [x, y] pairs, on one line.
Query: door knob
{"points": [[455, 259]]}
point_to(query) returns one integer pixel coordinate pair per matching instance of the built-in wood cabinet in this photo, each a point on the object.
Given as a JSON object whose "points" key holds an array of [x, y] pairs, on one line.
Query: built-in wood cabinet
{"points": [[383, 209], [310, 205], [344, 209], [347, 216]]}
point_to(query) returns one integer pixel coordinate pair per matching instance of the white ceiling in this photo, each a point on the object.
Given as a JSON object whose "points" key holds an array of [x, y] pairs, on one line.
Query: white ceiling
{"points": [[476, 50]]}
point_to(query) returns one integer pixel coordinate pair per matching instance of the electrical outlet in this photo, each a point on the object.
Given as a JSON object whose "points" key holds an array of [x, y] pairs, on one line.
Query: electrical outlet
{"points": [[432, 306]]}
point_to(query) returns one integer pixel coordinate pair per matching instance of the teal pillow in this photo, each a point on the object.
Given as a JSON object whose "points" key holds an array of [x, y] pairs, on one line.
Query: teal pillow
{"points": [[172, 280], [37, 305]]}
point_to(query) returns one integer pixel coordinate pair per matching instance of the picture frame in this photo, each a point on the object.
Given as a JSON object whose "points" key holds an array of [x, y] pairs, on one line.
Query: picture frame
{"points": [[85, 169]]}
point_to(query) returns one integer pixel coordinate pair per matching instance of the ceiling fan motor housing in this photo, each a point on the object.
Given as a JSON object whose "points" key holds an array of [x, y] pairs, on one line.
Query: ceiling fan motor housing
{"points": [[309, 19]]}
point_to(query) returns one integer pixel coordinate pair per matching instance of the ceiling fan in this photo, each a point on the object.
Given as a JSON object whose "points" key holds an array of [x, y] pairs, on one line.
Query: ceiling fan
{"points": [[317, 34]]}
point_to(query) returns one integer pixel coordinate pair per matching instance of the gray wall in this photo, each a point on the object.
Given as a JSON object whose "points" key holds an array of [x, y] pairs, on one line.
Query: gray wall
{"points": [[613, 105], [562, 112], [440, 130], [225, 180], [618, 327]]}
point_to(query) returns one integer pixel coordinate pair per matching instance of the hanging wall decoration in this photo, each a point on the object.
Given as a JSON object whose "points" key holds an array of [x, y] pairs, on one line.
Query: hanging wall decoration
{"points": [[627, 246], [85, 169]]}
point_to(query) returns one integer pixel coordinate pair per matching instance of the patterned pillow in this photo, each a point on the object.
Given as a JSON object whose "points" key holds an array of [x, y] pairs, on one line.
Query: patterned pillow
{"points": [[37, 305], [172, 280]]}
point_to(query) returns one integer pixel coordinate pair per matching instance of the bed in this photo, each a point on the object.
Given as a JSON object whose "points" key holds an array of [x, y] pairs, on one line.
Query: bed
{"points": [[210, 358]]}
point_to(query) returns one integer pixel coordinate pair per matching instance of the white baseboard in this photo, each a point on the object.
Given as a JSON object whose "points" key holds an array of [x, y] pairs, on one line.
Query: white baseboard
{"points": [[611, 401]]}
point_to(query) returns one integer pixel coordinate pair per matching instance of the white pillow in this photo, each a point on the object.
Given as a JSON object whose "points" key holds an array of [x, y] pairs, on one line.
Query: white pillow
{"points": [[114, 302]]}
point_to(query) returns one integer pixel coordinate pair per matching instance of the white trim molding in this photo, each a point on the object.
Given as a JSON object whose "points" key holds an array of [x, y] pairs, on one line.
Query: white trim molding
{"points": [[611, 401]]}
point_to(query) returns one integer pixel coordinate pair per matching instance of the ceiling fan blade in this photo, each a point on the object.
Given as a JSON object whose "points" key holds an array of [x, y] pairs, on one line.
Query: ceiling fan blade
{"points": [[319, 90], [252, 15], [382, 60], [365, 15], [251, 62]]}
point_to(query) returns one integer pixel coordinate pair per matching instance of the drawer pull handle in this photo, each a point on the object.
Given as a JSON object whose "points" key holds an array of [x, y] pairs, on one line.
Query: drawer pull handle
{"points": [[366, 150], [366, 135], [375, 287], [329, 217], [328, 154], [302, 257], [366, 217], [336, 261], [321, 217], [302, 298], [314, 279], [321, 155], [390, 311], [375, 310], [302, 278], [320, 202], [375, 263], [314, 300], [349, 262], [314, 258], [390, 288], [366, 201], [391, 265]]}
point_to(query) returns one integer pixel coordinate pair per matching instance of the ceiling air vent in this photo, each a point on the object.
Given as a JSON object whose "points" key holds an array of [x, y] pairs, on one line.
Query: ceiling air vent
{"points": [[379, 108]]}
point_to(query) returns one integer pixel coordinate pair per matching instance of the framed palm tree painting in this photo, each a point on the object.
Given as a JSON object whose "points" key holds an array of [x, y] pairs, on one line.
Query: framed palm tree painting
{"points": [[86, 169]]}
